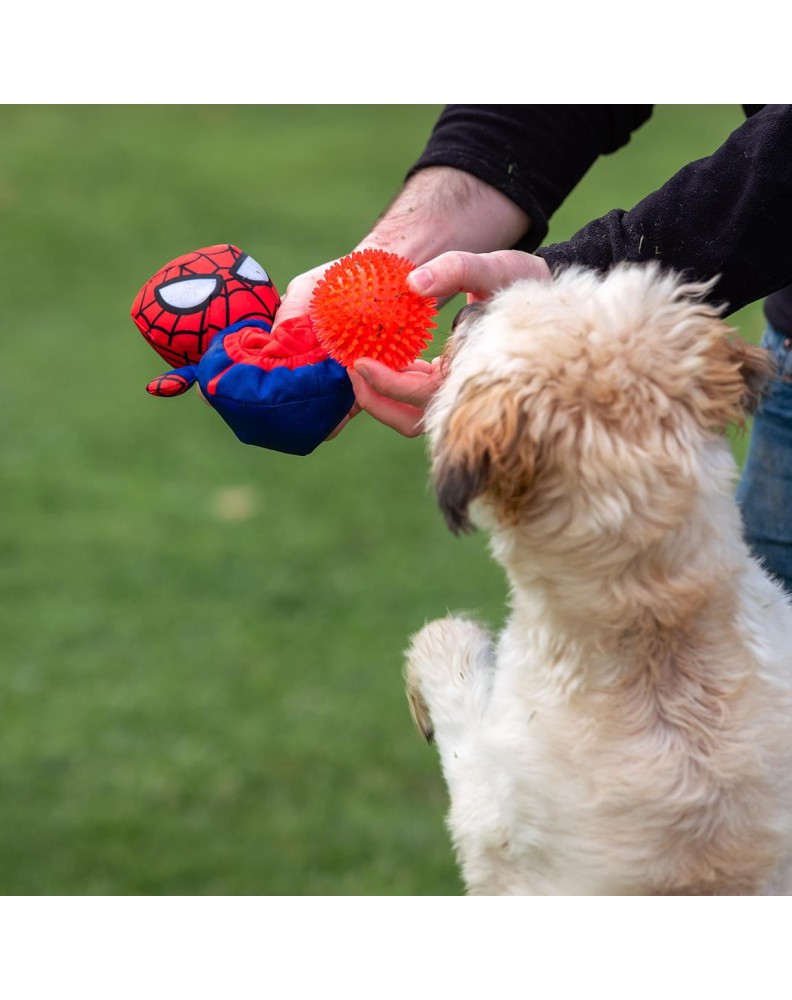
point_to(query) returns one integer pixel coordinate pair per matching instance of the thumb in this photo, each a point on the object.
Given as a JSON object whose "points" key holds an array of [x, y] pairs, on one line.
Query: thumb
{"points": [[477, 274]]}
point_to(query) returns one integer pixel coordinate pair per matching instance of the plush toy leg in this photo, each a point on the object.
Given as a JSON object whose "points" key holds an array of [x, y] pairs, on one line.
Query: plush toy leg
{"points": [[173, 383]]}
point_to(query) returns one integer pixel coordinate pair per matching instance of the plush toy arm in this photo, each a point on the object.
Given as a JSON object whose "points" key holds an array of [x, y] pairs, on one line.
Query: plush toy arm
{"points": [[174, 382]]}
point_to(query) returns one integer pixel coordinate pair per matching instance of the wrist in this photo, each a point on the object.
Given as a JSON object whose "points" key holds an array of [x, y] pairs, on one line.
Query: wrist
{"points": [[442, 208]]}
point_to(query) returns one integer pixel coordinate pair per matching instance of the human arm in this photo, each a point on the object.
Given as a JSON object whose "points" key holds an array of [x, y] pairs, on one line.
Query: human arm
{"points": [[727, 215], [489, 178], [438, 209], [533, 154]]}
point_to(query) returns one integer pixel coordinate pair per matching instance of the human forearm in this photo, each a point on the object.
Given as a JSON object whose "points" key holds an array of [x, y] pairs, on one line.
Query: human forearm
{"points": [[533, 154], [491, 175]]}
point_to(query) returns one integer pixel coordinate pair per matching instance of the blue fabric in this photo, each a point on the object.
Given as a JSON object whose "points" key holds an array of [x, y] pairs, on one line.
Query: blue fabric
{"points": [[189, 373], [240, 324], [765, 490], [284, 409]]}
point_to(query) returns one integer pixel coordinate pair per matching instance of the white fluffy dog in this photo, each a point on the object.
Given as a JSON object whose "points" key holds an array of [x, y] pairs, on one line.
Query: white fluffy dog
{"points": [[630, 731]]}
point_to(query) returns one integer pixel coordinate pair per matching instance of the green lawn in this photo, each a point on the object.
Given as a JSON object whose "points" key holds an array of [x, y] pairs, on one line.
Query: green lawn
{"points": [[201, 642]]}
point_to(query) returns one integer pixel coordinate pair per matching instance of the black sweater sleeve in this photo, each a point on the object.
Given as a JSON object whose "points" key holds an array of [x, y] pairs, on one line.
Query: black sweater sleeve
{"points": [[729, 214], [535, 154]]}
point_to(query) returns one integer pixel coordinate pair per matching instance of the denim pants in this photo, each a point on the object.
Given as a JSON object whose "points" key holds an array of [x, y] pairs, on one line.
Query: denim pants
{"points": [[765, 490]]}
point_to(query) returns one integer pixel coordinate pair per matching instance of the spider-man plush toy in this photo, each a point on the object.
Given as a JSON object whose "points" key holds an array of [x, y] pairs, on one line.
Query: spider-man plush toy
{"points": [[210, 312]]}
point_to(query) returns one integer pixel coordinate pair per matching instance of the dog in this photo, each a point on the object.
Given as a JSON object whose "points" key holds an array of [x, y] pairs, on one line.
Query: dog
{"points": [[630, 729]]}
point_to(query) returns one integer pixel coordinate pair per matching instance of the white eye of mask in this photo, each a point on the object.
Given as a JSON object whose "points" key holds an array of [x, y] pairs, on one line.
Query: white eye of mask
{"points": [[250, 270], [189, 294]]}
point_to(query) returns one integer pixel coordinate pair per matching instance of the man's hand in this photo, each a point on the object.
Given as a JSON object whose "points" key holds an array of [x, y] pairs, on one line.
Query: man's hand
{"points": [[398, 399]]}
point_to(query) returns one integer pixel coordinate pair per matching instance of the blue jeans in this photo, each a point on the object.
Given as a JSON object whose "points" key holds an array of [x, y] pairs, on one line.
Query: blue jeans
{"points": [[765, 490]]}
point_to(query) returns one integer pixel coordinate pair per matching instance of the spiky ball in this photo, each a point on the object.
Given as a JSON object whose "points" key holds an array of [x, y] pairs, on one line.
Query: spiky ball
{"points": [[364, 308]]}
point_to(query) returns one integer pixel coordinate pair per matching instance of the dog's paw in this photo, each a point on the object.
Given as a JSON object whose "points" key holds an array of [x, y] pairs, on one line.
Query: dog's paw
{"points": [[419, 710], [448, 673]]}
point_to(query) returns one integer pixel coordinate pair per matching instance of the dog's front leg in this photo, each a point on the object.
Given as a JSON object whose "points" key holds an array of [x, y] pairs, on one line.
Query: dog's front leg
{"points": [[450, 673], [449, 670]]}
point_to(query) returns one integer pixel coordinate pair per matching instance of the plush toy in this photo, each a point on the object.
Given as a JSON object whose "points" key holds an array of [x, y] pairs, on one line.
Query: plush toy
{"points": [[210, 314]]}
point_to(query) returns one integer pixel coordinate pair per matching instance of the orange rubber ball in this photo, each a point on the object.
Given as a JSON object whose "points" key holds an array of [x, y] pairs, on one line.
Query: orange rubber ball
{"points": [[364, 308]]}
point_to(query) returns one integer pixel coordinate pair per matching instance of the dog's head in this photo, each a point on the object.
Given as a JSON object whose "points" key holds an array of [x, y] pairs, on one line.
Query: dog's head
{"points": [[581, 401]]}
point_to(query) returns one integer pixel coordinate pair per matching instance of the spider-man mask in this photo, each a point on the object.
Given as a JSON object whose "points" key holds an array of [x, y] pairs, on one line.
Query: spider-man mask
{"points": [[192, 298]]}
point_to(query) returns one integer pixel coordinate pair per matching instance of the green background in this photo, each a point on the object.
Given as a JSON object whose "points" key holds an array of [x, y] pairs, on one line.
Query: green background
{"points": [[200, 686]]}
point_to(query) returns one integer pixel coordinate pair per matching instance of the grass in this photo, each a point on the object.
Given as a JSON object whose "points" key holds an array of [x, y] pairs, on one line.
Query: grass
{"points": [[201, 642]]}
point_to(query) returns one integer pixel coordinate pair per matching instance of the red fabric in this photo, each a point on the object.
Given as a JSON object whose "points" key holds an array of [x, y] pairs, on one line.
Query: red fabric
{"points": [[292, 345], [211, 385]]}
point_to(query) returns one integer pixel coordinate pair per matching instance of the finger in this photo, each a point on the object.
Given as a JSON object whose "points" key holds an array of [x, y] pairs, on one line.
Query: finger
{"points": [[413, 387], [478, 274], [419, 365], [406, 419]]}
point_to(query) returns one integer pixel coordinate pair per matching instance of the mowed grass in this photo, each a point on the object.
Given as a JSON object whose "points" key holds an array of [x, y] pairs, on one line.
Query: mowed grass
{"points": [[201, 642]]}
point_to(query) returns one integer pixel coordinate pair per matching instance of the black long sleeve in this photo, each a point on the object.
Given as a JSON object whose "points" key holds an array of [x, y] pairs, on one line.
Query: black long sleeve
{"points": [[729, 214]]}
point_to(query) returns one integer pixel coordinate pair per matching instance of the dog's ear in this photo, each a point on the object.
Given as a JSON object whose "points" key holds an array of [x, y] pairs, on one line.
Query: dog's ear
{"points": [[737, 379], [485, 447]]}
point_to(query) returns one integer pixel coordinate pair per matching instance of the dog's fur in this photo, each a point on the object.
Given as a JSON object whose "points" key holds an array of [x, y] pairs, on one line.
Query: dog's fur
{"points": [[630, 731]]}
